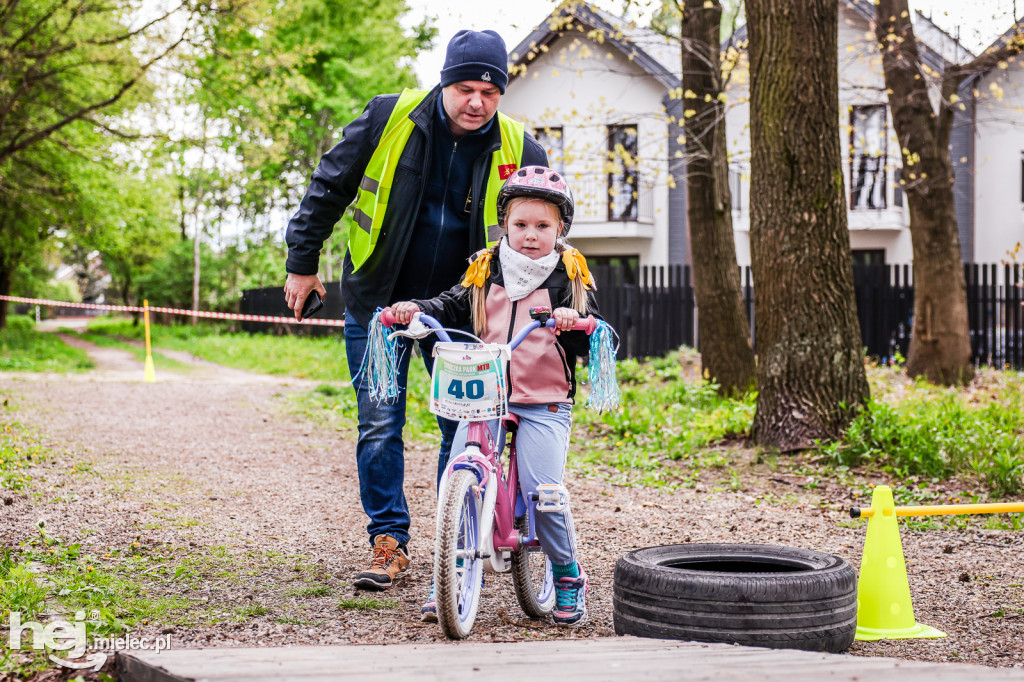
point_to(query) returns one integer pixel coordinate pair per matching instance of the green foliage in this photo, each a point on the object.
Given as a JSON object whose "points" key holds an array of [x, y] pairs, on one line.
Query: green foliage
{"points": [[21, 591], [68, 70], [22, 349], [667, 416], [284, 78], [129, 222], [937, 433]]}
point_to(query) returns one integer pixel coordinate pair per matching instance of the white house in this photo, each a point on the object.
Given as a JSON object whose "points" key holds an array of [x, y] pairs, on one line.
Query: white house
{"points": [[998, 178], [597, 90], [586, 90]]}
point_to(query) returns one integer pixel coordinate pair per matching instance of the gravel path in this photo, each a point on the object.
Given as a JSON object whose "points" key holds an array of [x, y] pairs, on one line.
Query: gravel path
{"points": [[218, 468]]}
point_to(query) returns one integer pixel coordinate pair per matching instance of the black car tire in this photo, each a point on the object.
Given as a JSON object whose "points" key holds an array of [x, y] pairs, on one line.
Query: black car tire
{"points": [[757, 595]]}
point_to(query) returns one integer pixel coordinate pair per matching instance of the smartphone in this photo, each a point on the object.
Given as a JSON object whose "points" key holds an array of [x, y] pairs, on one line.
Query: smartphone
{"points": [[313, 304]]}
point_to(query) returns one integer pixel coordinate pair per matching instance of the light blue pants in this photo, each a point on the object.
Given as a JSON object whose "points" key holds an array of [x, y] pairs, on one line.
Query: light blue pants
{"points": [[542, 445]]}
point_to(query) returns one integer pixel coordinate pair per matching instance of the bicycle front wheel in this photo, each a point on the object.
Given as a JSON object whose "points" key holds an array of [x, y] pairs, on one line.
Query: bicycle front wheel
{"points": [[458, 570], [532, 579]]}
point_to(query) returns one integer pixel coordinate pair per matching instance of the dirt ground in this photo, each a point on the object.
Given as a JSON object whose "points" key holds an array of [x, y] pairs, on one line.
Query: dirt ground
{"points": [[217, 464]]}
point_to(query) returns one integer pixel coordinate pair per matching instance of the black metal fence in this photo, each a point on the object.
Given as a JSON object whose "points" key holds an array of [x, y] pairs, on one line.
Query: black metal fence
{"points": [[654, 309], [270, 301]]}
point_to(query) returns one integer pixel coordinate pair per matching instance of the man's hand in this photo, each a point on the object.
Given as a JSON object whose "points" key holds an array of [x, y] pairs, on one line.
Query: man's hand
{"points": [[297, 288]]}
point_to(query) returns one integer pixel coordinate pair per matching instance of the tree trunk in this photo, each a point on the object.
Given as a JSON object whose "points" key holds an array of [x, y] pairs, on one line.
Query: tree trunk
{"points": [[6, 272], [726, 351], [940, 344], [810, 373]]}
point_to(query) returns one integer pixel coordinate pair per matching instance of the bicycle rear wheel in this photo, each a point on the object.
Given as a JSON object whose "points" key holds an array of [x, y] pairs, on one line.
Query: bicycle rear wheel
{"points": [[532, 579], [458, 570]]}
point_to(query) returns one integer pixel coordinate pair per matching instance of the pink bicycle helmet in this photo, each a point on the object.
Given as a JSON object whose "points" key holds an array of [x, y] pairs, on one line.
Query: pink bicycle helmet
{"points": [[538, 182]]}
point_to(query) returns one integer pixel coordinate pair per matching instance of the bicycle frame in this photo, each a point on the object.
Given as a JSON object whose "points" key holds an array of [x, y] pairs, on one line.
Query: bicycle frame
{"points": [[501, 495], [502, 498]]}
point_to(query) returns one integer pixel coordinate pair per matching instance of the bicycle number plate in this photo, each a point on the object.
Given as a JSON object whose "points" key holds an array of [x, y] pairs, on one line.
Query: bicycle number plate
{"points": [[469, 381]]}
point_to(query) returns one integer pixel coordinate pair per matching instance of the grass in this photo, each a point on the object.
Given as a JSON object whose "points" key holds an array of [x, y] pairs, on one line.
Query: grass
{"points": [[367, 604], [675, 428], [18, 452], [50, 575], [936, 433], [310, 592], [23, 349], [669, 419], [160, 361], [307, 357]]}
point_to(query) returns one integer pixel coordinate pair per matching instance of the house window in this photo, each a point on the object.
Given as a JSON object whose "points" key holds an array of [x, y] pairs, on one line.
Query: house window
{"points": [[622, 180], [552, 141], [863, 257], [1022, 176], [736, 188], [867, 157], [897, 188]]}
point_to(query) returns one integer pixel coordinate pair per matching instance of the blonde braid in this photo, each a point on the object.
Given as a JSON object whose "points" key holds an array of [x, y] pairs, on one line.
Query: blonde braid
{"points": [[578, 298], [478, 298]]}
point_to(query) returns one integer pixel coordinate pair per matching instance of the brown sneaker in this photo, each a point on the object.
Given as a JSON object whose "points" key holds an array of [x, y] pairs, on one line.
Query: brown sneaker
{"points": [[388, 561]]}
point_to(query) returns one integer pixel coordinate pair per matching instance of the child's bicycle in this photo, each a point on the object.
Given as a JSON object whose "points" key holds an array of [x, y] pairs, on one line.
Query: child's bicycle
{"points": [[483, 521]]}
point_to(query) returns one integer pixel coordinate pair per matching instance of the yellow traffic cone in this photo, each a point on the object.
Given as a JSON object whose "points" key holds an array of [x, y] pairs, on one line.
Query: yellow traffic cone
{"points": [[149, 372], [884, 610]]}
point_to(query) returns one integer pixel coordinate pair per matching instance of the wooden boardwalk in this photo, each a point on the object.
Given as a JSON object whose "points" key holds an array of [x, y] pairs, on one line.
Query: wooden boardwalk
{"points": [[618, 659]]}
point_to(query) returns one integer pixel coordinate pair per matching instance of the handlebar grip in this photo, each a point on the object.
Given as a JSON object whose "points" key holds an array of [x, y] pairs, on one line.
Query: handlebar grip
{"points": [[387, 318], [585, 324]]}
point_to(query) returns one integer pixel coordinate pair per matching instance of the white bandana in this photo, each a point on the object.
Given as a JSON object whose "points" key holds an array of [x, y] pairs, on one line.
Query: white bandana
{"points": [[522, 274]]}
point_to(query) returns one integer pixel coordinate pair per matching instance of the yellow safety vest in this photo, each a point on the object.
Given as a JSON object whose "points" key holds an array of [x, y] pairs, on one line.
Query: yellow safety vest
{"points": [[375, 187]]}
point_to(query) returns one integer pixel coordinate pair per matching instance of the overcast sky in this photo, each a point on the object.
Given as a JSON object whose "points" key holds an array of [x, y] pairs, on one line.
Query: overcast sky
{"points": [[979, 21]]}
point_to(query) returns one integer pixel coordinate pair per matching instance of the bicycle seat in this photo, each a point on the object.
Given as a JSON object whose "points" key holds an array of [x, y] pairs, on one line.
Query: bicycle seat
{"points": [[510, 422]]}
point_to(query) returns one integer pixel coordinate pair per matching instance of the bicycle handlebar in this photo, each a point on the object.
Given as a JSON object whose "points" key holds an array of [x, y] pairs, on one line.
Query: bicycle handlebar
{"points": [[586, 324]]}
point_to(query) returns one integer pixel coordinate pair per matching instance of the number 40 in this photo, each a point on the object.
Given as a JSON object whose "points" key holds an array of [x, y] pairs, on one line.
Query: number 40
{"points": [[474, 389]]}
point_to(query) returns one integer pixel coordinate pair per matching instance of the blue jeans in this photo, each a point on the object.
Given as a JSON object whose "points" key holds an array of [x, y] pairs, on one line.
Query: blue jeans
{"points": [[380, 451]]}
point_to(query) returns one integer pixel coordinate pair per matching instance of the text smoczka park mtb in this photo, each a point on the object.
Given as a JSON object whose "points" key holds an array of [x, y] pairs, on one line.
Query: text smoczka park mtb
{"points": [[483, 521]]}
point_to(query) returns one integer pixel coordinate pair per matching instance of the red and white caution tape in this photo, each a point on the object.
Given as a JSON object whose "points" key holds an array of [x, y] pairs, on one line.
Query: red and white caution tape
{"points": [[176, 311]]}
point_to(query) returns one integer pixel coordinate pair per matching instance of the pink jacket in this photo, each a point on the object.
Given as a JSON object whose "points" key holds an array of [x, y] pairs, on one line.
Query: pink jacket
{"points": [[542, 368]]}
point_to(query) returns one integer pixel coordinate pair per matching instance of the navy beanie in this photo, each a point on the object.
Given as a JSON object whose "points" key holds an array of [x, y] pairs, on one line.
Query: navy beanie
{"points": [[476, 56]]}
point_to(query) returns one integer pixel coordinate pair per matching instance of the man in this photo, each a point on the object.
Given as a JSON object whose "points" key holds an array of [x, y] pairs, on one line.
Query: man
{"points": [[424, 170]]}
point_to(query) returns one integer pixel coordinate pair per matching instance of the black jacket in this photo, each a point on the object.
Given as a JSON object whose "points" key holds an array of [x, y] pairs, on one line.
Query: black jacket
{"points": [[335, 182]]}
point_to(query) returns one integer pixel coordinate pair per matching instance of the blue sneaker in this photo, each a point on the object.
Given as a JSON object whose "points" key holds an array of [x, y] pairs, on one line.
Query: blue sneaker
{"points": [[571, 601], [428, 612]]}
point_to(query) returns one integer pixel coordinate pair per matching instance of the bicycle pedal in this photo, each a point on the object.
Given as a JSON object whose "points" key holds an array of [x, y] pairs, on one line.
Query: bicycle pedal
{"points": [[552, 497]]}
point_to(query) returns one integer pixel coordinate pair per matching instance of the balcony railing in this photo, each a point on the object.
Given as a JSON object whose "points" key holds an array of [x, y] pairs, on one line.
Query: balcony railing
{"points": [[591, 192]]}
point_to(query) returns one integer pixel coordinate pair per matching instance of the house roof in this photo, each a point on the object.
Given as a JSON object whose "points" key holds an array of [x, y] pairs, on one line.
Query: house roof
{"points": [[659, 56], [1016, 29], [1002, 41], [929, 55], [950, 47], [644, 47]]}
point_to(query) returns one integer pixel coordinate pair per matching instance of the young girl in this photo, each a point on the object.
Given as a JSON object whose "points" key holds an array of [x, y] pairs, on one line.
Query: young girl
{"points": [[531, 266]]}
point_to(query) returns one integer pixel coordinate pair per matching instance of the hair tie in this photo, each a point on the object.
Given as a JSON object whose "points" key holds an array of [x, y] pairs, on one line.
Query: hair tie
{"points": [[576, 265], [478, 270]]}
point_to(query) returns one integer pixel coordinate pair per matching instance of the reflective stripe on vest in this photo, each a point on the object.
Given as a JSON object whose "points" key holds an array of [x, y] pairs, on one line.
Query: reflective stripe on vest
{"points": [[375, 187]]}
